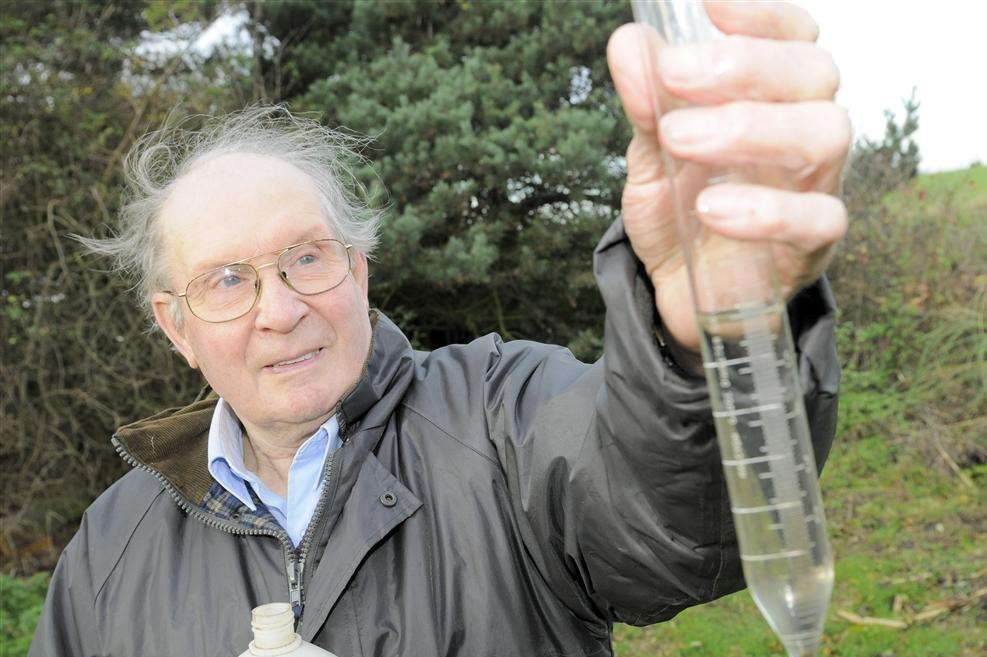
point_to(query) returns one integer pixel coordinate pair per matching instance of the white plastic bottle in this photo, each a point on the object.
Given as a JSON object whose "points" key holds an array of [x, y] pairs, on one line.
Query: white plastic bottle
{"points": [[274, 634]]}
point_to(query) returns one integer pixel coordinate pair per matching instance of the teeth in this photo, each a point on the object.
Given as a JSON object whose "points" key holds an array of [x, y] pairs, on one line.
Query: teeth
{"points": [[297, 360]]}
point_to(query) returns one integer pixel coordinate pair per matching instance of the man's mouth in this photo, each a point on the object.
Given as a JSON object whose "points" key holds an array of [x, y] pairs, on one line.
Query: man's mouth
{"points": [[297, 359]]}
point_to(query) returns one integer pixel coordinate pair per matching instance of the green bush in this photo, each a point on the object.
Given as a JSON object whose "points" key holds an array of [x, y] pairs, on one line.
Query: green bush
{"points": [[21, 599]]}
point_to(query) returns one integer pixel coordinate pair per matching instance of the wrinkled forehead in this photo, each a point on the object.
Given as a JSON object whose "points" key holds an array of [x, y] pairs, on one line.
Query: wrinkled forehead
{"points": [[235, 206]]}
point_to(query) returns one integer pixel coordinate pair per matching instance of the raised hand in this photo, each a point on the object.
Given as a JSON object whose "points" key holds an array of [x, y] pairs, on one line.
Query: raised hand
{"points": [[761, 103]]}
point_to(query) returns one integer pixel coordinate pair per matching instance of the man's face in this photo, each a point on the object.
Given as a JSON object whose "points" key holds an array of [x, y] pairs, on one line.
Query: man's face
{"points": [[234, 207]]}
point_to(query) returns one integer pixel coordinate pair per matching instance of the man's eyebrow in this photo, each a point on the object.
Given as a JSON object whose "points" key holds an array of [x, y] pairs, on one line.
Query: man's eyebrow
{"points": [[315, 233]]}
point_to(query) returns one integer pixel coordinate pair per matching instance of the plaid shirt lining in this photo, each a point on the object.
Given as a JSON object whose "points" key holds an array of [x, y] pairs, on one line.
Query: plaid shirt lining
{"points": [[224, 504]]}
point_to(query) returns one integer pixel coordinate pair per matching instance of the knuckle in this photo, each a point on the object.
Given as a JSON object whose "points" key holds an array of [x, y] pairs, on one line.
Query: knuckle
{"points": [[772, 211], [741, 121], [805, 27], [841, 130], [836, 220], [831, 133], [733, 59], [827, 221], [830, 73], [811, 30]]}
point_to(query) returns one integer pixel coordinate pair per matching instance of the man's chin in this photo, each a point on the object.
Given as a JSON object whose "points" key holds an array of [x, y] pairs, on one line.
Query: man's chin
{"points": [[306, 409]]}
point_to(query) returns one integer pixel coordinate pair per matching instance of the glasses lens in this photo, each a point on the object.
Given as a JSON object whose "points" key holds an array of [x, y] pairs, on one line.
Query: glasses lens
{"points": [[224, 293], [315, 266]]}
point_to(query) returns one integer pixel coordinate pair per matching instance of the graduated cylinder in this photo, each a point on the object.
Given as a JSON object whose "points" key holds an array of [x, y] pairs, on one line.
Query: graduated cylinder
{"points": [[749, 362]]}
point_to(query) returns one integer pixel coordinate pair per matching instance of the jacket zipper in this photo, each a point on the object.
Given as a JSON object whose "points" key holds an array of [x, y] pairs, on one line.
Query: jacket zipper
{"points": [[298, 561], [206, 518], [294, 561], [294, 583]]}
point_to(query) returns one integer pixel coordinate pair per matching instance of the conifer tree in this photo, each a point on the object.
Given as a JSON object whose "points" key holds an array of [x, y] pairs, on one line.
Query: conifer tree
{"points": [[498, 139]]}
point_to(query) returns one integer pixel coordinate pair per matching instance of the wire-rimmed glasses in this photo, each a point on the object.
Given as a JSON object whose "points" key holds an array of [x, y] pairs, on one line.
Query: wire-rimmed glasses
{"points": [[231, 291]]}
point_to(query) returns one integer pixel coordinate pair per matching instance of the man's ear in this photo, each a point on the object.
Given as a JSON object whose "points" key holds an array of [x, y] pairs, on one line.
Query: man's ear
{"points": [[361, 273], [162, 304]]}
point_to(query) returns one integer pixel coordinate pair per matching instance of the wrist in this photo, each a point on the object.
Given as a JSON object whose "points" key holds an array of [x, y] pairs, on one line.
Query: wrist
{"points": [[688, 362], [676, 330]]}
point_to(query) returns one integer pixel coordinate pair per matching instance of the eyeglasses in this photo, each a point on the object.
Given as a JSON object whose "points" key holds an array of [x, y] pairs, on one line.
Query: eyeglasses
{"points": [[231, 291]]}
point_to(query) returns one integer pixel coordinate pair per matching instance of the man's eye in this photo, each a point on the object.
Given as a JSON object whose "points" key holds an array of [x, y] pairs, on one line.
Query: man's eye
{"points": [[307, 259], [228, 281]]}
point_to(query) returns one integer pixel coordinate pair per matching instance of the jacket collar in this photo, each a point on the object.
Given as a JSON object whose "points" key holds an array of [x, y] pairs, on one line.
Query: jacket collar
{"points": [[173, 444]]}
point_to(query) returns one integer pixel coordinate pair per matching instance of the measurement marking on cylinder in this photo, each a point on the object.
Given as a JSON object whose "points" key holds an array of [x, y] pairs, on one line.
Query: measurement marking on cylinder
{"points": [[811, 635], [739, 361], [766, 339], [753, 459], [793, 443], [745, 411], [725, 363], [748, 370], [759, 423], [790, 554], [742, 510]]}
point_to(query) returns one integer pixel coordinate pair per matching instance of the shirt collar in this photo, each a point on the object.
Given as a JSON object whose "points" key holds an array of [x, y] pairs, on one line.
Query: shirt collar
{"points": [[225, 451]]}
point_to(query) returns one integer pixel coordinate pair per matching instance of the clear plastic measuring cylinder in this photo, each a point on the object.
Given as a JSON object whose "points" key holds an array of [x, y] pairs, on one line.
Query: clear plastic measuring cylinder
{"points": [[769, 466], [750, 366]]}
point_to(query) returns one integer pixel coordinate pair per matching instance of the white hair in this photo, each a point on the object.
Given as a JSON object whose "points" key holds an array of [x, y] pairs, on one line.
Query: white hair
{"points": [[160, 158]]}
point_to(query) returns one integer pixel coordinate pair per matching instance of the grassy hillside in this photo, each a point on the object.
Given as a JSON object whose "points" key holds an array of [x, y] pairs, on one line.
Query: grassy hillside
{"points": [[905, 484]]}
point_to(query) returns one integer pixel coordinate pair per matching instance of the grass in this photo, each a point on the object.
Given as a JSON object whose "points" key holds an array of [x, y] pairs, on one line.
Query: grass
{"points": [[905, 538], [904, 485], [968, 185]]}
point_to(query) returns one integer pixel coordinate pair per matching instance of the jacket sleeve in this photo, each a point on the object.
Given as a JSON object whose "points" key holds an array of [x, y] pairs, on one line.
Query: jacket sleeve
{"points": [[615, 468], [67, 626]]}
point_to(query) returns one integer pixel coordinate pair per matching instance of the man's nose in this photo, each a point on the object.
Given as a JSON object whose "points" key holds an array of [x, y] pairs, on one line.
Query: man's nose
{"points": [[279, 308]]}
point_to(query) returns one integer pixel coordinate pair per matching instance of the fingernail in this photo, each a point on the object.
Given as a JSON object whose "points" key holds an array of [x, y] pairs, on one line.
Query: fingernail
{"points": [[682, 65], [687, 127]]}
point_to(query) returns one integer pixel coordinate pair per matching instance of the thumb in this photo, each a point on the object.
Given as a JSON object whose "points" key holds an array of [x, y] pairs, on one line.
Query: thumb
{"points": [[632, 55]]}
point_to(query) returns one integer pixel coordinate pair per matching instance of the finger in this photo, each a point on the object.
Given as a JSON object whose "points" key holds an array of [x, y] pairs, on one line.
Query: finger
{"points": [[768, 20], [808, 221], [793, 136], [631, 50], [739, 67]]}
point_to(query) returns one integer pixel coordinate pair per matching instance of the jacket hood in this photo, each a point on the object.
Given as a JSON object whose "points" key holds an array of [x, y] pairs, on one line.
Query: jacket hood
{"points": [[174, 442]]}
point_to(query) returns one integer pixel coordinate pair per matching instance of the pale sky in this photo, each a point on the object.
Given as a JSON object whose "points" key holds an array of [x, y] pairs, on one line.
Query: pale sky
{"points": [[884, 47]]}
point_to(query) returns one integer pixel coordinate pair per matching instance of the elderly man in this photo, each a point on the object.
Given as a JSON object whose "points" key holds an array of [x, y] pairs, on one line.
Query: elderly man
{"points": [[483, 499]]}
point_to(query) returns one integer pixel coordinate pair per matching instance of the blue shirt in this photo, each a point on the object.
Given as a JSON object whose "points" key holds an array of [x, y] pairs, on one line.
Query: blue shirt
{"points": [[304, 477]]}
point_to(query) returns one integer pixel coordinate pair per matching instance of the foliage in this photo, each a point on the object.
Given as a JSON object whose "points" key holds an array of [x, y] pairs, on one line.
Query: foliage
{"points": [[497, 139], [76, 93], [21, 600], [876, 167]]}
